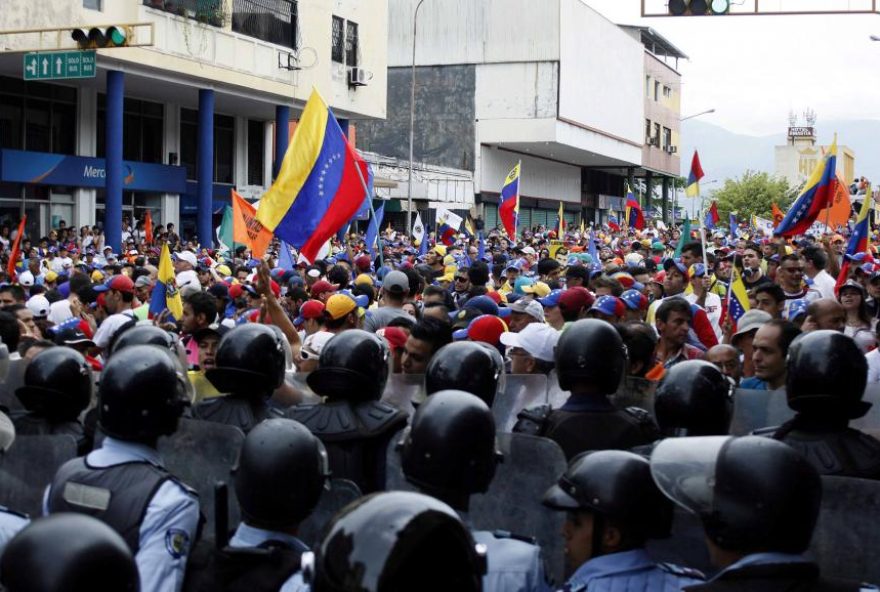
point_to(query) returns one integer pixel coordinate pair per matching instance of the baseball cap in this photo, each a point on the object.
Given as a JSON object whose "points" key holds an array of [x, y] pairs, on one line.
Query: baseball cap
{"points": [[634, 300], [485, 328], [395, 336], [187, 256], [675, 262], [440, 250], [752, 320], [537, 339], [462, 318], [697, 270], [797, 308], [363, 279], [26, 279], [529, 251], [575, 298], [552, 299], [340, 305], [72, 335], [395, 282], [310, 309], [143, 282], [219, 291], [532, 308], [188, 282], [38, 305], [320, 287], [51, 276], [625, 279], [314, 343], [658, 246], [609, 305], [120, 283], [539, 289], [223, 270], [484, 304]]}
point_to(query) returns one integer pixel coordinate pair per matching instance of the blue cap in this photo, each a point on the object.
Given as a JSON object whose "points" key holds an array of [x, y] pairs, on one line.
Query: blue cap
{"points": [[676, 262], [797, 308], [609, 305], [634, 300], [551, 299], [361, 299], [482, 303]]}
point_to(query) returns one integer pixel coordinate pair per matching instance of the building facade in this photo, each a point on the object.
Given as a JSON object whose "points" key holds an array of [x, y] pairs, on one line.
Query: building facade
{"points": [[203, 107], [795, 160]]}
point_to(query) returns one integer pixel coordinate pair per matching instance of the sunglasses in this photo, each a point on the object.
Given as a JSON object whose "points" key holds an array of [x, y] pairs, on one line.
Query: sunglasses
{"points": [[461, 279]]}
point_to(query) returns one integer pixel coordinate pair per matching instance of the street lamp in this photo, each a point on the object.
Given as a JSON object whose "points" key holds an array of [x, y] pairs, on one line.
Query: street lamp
{"points": [[707, 111], [412, 122], [875, 37]]}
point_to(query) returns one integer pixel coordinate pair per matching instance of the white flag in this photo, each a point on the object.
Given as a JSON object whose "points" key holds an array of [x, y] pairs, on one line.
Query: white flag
{"points": [[453, 220], [418, 229]]}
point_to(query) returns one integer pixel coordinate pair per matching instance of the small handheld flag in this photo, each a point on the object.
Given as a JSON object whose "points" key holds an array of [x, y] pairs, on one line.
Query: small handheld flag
{"points": [[712, 217], [16, 250], [165, 294], [693, 182], [508, 209]]}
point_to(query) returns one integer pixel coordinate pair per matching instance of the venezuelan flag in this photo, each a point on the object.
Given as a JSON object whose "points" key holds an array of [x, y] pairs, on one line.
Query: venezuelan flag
{"points": [[560, 221], [165, 294], [508, 210], [319, 187], [693, 183], [737, 299], [817, 195], [634, 216], [858, 241]]}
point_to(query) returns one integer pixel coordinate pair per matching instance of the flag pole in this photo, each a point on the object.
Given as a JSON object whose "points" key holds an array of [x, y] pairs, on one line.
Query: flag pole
{"points": [[516, 208], [373, 219]]}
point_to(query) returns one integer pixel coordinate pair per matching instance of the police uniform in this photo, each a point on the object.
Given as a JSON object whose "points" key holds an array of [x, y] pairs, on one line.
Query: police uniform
{"points": [[514, 564], [31, 424], [156, 514], [766, 572], [630, 571], [10, 523], [238, 411], [247, 536]]}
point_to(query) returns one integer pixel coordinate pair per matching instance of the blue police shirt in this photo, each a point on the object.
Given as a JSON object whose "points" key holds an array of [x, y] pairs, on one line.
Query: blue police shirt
{"points": [[249, 536], [10, 524], [630, 571], [169, 525]]}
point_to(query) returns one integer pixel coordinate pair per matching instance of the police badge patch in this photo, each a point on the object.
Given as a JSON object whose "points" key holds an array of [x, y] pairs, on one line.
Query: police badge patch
{"points": [[176, 542]]}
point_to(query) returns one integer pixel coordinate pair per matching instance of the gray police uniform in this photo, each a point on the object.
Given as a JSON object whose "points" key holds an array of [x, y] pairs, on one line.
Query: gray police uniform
{"points": [[10, 523], [247, 536], [514, 565], [125, 485], [630, 571]]}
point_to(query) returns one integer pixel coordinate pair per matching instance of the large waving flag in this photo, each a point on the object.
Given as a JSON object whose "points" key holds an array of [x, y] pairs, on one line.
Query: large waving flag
{"points": [[165, 294], [16, 250], [693, 182], [817, 195], [508, 209], [712, 217], [373, 230], [320, 185], [593, 251], [858, 240], [246, 229], [634, 216], [613, 224], [737, 299]]}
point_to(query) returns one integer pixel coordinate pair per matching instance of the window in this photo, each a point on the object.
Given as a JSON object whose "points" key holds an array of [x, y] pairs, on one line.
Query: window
{"points": [[189, 134], [656, 90], [647, 131], [224, 143], [656, 134], [37, 116], [255, 152], [274, 21], [142, 130], [667, 138], [351, 44], [667, 92], [337, 52], [92, 4], [648, 86]]}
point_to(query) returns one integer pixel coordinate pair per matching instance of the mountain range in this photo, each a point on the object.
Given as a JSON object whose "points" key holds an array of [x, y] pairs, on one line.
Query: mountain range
{"points": [[725, 154]]}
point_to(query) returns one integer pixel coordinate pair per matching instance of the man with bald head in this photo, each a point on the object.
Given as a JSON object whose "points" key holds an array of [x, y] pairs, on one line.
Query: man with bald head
{"points": [[825, 313], [726, 358]]}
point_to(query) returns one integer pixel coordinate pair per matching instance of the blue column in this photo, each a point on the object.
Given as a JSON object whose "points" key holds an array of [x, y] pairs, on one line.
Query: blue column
{"points": [[205, 167], [113, 181], [282, 125]]}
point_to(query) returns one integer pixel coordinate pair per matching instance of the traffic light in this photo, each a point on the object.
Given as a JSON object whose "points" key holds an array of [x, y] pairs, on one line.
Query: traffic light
{"points": [[102, 37], [698, 7]]}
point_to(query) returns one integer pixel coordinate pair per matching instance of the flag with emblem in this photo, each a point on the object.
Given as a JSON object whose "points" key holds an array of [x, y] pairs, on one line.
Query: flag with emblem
{"points": [[737, 299], [858, 240], [418, 229], [508, 209], [817, 195], [165, 294], [320, 185]]}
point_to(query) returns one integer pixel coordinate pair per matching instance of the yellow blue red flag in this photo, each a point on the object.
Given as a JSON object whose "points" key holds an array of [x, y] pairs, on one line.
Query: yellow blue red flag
{"points": [[508, 209], [817, 195], [165, 293]]}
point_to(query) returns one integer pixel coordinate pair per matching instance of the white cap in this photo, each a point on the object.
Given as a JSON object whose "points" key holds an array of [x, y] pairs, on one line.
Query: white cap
{"points": [[529, 251], [26, 278], [188, 283], [633, 259], [187, 256], [314, 343], [539, 340], [39, 305]]}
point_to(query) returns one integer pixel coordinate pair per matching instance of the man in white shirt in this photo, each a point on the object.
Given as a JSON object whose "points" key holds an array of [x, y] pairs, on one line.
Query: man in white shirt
{"points": [[815, 261], [119, 302]]}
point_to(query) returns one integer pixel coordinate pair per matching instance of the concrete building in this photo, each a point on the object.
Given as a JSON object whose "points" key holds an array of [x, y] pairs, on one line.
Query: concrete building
{"points": [[796, 159], [552, 84], [174, 125]]}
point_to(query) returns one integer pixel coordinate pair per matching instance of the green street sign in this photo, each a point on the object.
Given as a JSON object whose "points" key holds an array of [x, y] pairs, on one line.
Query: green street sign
{"points": [[59, 65]]}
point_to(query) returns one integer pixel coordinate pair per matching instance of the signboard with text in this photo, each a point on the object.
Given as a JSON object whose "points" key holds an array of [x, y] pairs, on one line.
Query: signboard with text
{"points": [[59, 65]]}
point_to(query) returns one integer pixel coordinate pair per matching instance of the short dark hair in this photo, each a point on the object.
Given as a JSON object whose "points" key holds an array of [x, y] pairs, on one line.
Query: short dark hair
{"points": [[404, 322], [16, 291], [603, 281], [788, 332], [671, 305], [10, 334], [695, 247], [203, 303], [640, 341], [774, 290], [790, 257], [752, 246], [546, 266], [816, 255], [578, 271], [434, 331], [339, 275], [478, 273]]}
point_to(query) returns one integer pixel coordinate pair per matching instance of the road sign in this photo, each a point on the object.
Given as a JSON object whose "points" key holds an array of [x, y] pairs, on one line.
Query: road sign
{"points": [[59, 65]]}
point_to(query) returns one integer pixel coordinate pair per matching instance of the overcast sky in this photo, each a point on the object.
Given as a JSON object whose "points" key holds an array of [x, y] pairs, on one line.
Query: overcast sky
{"points": [[754, 70]]}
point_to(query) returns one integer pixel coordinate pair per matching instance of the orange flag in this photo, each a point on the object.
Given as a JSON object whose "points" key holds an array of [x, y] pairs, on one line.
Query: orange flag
{"points": [[778, 215], [838, 213], [148, 227], [16, 250], [246, 229]]}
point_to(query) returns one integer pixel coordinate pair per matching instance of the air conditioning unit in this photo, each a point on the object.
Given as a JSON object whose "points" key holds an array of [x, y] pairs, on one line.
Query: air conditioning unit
{"points": [[673, 149], [358, 77]]}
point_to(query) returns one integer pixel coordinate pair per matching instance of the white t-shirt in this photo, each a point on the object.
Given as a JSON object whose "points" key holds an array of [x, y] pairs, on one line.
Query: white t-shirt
{"points": [[824, 283], [107, 329], [873, 358], [712, 307]]}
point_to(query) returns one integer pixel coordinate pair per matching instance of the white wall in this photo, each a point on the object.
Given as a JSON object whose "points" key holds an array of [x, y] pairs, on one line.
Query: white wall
{"points": [[474, 31], [601, 78], [517, 90], [543, 179]]}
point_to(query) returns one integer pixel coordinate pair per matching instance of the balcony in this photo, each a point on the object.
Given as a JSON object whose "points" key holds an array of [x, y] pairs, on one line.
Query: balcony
{"points": [[274, 21], [210, 12]]}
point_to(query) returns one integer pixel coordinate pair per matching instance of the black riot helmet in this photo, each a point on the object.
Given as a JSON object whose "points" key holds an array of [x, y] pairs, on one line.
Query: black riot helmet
{"points": [[693, 400], [280, 474], [145, 335], [470, 366], [590, 351], [449, 450], [142, 394], [353, 366], [57, 384], [826, 374], [68, 552], [753, 494], [615, 485], [387, 542], [250, 360]]}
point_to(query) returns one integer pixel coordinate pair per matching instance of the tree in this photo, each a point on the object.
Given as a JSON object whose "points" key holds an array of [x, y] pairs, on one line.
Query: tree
{"points": [[753, 193]]}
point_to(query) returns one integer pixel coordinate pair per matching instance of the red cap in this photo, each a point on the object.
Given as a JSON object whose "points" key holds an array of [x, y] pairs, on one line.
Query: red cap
{"points": [[487, 328], [276, 289], [235, 291], [395, 336], [310, 309], [495, 296], [322, 286], [362, 262], [576, 298]]}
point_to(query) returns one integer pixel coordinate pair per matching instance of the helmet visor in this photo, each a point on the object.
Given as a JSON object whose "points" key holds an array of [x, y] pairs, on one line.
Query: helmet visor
{"points": [[684, 470]]}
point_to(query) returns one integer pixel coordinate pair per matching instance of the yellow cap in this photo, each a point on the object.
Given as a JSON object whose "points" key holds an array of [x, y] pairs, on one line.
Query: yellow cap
{"points": [[223, 270], [51, 276], [539, 289], [97, 276], [440, 250], [363, 279]]}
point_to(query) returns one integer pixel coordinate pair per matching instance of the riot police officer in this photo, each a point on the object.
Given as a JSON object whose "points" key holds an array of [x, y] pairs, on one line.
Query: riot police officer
{"points": [[57, 389], [470, 366], [612, 508], [68, 553], [280, 475], [10, 521], [141, 396], [250, 365], [449, 452], [387, 542], [352, 423], [694, 399], [758, 500], [825, 383], [590, 362]]}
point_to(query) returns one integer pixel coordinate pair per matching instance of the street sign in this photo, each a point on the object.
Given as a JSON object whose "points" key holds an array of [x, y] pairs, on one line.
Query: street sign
{"points": [[59, 65]]}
